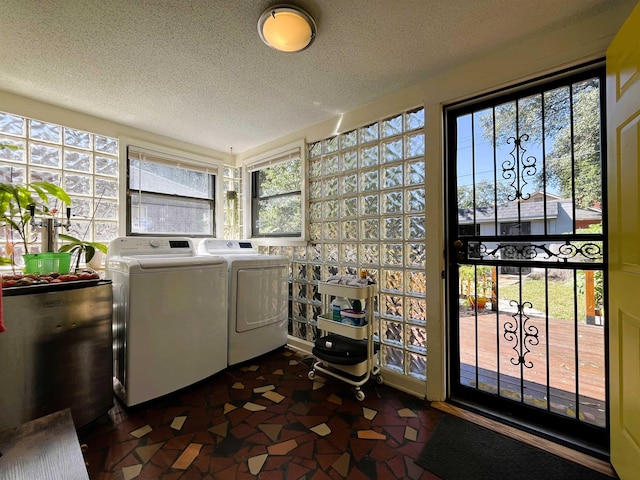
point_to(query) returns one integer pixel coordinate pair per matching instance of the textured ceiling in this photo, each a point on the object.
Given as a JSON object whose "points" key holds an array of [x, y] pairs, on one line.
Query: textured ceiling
{"points": [[197, 70]]}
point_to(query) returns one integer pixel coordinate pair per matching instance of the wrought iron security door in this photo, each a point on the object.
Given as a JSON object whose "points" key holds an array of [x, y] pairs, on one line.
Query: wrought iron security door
{"points": [[527, 253]]}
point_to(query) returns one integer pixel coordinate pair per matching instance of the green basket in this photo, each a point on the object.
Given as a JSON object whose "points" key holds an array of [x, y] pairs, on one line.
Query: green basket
{"points": [[47, 263]]}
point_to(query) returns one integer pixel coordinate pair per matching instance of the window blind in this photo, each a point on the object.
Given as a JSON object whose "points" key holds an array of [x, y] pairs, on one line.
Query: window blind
{"points": [[138, 153], [269, 161]]}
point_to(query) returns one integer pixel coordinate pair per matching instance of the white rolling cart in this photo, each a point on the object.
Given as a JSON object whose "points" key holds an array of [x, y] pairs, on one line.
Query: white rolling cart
{"points": [[360, 373]]}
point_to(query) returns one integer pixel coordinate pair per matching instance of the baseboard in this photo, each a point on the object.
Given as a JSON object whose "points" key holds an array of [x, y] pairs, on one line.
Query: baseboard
{"points": [[302, 346], [544, 444], [404, 383]]}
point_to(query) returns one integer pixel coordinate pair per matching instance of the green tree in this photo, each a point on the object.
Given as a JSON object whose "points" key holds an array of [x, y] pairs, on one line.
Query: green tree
{"points": [[484, 194], [586, 152], [279, 203], [567, 120]]}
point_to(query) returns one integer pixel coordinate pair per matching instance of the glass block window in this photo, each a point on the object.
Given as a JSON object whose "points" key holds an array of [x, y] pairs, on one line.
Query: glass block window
{"points": [[367, 212], [85, 164]]}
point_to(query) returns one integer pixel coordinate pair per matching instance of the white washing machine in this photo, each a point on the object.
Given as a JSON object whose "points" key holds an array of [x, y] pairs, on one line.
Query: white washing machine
{"points": [[258, 297], [169, 317]]}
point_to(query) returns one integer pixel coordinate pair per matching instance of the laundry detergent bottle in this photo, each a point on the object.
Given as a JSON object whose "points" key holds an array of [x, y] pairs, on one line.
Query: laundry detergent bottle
{"points": [[339, 303]]}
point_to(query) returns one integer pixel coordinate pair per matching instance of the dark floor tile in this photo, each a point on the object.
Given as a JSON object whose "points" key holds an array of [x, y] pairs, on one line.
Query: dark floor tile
{"points": [[117, 452], [383, 472], [320, 475], [259, 438], [218, 464], [355, 473], [180, 442], [225, 435], [327, 459], [203, 437], [151, 472], [161, 433], [295, 471], [361, 448]]}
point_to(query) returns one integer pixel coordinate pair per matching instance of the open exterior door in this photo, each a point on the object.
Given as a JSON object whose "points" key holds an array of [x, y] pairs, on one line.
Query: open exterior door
{"points": [[623, 127]]}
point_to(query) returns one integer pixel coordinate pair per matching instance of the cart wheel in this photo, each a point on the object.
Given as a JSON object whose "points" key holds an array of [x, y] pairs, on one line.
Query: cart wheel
{"points": [[311, 375], [379, 379], [359, 395]]}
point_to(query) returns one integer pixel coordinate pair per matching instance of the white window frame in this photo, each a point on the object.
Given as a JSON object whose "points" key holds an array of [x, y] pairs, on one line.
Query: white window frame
{"points": [[273, 157], [187, 160]]}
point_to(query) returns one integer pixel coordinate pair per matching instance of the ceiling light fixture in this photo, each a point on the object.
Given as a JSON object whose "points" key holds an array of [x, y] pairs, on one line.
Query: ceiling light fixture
{"points": [[286, 28]]}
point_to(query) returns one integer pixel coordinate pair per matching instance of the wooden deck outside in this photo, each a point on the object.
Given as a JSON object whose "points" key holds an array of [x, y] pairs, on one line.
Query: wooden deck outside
{"points": [[560, 355]]}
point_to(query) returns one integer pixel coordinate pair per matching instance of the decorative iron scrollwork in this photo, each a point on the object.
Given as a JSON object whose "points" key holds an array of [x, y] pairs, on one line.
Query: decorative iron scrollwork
{"points": [[520, 167], [529, 251], [521, 333]]}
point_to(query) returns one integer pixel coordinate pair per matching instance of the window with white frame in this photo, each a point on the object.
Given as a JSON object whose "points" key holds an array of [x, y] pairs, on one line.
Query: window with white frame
{"points": [[85, 164], [277, 194], [167, 195]]}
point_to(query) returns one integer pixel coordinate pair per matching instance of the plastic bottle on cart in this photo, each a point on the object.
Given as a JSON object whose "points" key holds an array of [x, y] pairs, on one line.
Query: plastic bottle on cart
{"points": [[365, 279], [339, 303]]}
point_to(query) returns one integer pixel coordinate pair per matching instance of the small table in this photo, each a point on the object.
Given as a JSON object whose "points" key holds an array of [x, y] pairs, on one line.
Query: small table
{"points": [[46, 448]]}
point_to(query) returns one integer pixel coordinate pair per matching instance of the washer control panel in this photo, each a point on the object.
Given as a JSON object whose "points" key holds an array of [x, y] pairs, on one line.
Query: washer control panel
{"points": [[218, 246], [134, 246]]}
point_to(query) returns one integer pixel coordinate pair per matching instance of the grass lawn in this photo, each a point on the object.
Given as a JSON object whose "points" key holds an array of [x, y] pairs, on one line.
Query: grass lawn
{"points": [[562, 297]]}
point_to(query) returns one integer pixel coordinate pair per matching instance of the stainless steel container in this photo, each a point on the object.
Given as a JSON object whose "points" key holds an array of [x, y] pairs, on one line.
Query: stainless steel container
{"points": [[57, 352]]}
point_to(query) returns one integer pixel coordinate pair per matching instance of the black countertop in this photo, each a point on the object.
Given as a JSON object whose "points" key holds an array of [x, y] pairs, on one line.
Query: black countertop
{"points": [[52, 287]]}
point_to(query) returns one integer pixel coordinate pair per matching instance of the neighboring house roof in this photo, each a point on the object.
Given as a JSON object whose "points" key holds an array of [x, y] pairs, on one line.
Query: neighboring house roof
{"points": [[588, 214], [529, 210], [509, 213], [539, 196]]}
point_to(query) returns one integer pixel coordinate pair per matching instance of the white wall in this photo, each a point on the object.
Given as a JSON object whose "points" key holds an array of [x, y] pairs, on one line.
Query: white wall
{"points": [[28, 107]]}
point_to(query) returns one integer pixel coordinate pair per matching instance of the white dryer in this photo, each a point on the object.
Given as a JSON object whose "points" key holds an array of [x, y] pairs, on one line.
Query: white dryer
{"points": [[169, 317], [258, 297]]}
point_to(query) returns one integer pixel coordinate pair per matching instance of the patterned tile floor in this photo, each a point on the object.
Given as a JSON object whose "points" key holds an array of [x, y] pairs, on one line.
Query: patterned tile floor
{"points": [[267, 420]]}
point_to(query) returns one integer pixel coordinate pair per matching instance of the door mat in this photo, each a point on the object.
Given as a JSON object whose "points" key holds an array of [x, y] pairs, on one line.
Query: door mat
{"points": [[461, 450]]}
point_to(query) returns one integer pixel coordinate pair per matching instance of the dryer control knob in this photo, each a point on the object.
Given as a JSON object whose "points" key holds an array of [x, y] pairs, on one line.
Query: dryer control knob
{"points": [[154, 243]]}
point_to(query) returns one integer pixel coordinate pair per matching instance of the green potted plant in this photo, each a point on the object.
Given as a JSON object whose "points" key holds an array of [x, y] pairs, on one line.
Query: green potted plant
{"points": [[476, 282], [80, 248], [15, 214]]}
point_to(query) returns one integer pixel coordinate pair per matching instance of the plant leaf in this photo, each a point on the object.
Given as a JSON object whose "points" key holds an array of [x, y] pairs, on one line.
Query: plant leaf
{"points": [[89, 252], [75, 244], [69, 238], [100, 246], [67, 247], [56, 191]]}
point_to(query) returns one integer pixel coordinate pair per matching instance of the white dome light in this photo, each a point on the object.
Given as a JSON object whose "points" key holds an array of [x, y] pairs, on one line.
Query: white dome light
{"points": [[286, 28]]}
